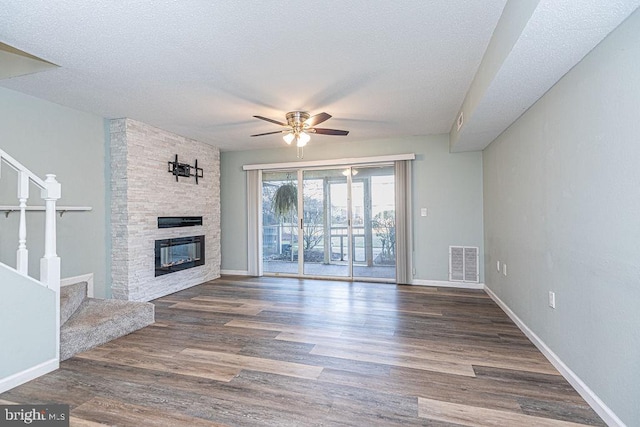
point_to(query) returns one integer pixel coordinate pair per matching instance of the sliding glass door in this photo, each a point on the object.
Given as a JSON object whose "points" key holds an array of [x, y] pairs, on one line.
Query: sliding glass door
{"points": [[280, 222], [373, 222], [325, 223], [345, 228]]}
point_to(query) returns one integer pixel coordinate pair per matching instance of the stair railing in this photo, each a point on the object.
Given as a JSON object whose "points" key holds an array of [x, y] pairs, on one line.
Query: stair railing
{"points": [[50, 192]]}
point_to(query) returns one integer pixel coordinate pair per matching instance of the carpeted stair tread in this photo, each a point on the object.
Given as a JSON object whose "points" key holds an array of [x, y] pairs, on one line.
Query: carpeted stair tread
{"points": [[99, 321], [70, 299]]}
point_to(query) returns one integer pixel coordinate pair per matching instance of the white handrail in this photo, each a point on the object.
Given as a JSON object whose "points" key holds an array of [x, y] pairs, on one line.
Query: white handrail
{"points": [[17, 166]]}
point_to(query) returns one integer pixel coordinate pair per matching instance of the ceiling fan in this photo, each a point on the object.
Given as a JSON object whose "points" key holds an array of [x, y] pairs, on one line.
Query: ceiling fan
{"points": [[299, 125]]}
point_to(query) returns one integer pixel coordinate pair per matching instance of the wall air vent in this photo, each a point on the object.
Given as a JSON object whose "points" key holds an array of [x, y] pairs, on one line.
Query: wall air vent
{"points": [[463, 264]]}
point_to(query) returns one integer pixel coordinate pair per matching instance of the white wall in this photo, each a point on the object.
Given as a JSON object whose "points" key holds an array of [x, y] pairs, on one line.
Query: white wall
{"points": [[448, 185], [562, 209], [49, 138]]}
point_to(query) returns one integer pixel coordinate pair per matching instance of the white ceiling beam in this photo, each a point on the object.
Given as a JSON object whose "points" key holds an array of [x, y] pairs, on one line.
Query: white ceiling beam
{"points": [[534, 44], [18, 63]]}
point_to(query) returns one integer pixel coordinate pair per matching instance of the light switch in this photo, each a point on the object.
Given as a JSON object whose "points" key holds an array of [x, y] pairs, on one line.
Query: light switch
{"points": [[423, 211]]}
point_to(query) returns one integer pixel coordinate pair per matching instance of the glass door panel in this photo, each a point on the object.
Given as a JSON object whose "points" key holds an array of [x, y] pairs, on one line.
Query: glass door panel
{"points": [[280, 222], [373, 219], [325, 225]]}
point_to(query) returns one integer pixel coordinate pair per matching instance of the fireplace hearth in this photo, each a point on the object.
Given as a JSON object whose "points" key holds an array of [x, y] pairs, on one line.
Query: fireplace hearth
{"points": [[178, 254]]}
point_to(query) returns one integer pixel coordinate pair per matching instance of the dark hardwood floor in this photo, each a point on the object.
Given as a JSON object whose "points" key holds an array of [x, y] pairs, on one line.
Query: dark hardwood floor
{"points": [[242, 351]]}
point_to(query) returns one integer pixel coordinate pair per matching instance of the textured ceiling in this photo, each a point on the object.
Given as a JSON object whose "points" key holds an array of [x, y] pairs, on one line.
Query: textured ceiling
{"points": [[202, 69], [383, 69]]}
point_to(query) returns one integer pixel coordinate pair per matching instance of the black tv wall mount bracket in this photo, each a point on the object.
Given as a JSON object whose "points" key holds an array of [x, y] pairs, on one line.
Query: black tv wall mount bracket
{"points": [[184, 169]]}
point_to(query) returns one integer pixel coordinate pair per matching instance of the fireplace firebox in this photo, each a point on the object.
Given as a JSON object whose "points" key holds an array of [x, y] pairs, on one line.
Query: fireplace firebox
{"points": [[179, 254]]}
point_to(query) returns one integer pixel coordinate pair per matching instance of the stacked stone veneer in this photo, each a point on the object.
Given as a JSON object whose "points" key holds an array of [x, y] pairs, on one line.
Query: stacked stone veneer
{"points": [[141, 191]]}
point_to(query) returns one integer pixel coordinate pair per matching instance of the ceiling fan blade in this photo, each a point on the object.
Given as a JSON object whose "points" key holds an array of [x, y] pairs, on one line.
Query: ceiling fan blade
{"points": [[268, 133], [322, 131], [270, 120], [317, 119]]}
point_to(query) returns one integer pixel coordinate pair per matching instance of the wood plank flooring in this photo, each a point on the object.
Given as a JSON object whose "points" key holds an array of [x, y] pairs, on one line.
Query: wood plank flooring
{"points": [[242, 351]]}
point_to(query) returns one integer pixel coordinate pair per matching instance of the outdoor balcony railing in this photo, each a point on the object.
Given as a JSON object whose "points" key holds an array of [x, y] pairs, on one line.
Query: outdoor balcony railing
{"points": [[277, 241]]}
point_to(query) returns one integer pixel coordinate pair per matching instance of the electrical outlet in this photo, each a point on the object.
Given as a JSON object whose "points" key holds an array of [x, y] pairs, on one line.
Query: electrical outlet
{"points": [[504, 269], [552, 299], [423, 211], [498, 266]]}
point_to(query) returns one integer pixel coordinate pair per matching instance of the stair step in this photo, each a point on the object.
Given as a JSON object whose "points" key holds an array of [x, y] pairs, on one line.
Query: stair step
{"points": [[99, 321], [71, 297]]}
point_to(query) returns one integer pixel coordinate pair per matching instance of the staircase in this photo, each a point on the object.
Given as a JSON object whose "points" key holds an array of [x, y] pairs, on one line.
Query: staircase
{"points": [[90, 322], [43, 324]]}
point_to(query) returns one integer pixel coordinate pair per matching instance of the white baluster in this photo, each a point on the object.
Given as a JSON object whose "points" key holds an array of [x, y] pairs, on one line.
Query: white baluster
{"points": [[22, 255], [50, 263]]}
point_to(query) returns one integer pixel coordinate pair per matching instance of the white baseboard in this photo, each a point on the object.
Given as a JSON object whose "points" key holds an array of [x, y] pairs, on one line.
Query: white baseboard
{"points": [[418, 282], [607, 415], [445, 284], [29, 374], [234, 272], [77, 279]]}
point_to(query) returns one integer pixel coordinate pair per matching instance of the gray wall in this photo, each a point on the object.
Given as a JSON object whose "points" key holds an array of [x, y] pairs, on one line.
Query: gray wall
{"points": [[448, 185], [28, 330], [49, 138], [562, 208]]}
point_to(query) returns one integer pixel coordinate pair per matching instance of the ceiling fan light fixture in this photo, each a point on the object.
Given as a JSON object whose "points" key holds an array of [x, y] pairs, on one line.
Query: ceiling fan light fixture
{"points": [[288, 138], [302, 139], [299, 126]]}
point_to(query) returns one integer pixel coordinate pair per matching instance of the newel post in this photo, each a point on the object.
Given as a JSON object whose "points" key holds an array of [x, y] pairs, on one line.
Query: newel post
{"points": [[22, 254], [50, 263]]}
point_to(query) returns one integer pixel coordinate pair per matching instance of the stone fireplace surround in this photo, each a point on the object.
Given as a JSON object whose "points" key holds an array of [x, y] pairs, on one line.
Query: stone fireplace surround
{"points": [[141, 191]]}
